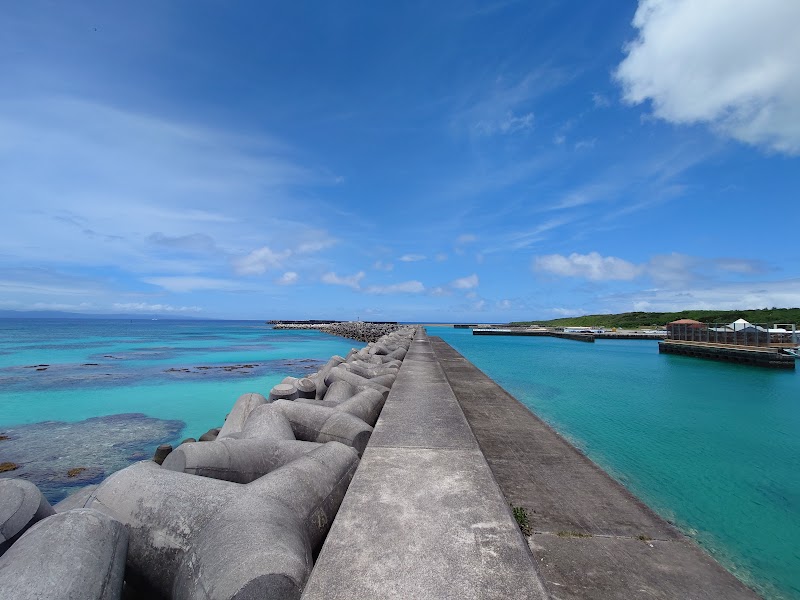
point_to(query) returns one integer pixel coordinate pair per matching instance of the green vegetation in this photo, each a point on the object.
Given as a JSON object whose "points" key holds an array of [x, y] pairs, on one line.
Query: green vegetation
{"points": [[521, 515], [636, 320]]}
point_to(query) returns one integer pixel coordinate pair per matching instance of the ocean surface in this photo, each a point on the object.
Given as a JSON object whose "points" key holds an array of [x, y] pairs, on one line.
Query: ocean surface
{"points": [[97, 395], [712, 447]]}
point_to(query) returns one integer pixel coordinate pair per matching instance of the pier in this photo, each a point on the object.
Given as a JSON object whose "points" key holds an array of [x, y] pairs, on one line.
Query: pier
{"points": [[578, 337], [771, 357]]}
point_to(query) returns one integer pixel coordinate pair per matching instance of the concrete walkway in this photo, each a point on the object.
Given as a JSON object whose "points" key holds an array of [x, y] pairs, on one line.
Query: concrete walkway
{"points": [[424, 517], [592, 539]]}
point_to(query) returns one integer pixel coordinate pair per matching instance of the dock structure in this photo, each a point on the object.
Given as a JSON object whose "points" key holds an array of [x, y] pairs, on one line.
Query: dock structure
{"points": [[771, 357], [591, 539], [578, 337]]}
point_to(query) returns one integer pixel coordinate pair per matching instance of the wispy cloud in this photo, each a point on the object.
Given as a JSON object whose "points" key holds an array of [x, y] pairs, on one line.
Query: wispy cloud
{"points": [[465, 283], [260, 261], [144, 307], [351, 281], [672, 270], [504, 106], [288, 278], [183, 284], [406, 287], [590, 266], [412, 257]]}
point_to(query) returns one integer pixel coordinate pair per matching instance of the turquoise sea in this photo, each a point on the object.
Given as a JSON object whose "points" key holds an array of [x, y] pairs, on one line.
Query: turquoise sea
{"points": [[58, 375], [712, 447]]}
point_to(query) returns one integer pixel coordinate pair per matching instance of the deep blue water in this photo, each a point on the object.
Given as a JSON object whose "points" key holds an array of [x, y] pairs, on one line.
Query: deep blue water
{"points": [[713, 447]]}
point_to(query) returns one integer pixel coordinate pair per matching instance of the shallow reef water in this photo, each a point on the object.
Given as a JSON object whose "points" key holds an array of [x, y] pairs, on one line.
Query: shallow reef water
{"points": [[92, 396], [58, 456]]}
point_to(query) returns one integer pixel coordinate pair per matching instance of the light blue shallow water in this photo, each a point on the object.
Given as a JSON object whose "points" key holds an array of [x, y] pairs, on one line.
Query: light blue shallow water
{"points": [[713, 447], [108, 367]]}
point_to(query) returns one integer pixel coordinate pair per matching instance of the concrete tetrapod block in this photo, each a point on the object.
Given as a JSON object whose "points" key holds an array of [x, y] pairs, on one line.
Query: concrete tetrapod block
{"points": [[195, 537], [242, 408], [306, 388], [21, 505], [76, 499], [267, 421], [319, 424], [283, 391], [78, 554], [238, 460], [366, 405], [339, 391], [339, 374]]}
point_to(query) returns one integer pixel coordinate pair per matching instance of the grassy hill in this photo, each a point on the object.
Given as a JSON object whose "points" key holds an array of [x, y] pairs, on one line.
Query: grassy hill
{"points": [[634, 320]]}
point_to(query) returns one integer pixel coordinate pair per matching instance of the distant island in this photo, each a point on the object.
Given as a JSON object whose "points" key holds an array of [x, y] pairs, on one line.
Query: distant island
{"points": [[638, 320]]}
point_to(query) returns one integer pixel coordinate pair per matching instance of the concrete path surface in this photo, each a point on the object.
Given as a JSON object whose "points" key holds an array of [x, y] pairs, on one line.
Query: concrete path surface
{"points": [[592, 539]]}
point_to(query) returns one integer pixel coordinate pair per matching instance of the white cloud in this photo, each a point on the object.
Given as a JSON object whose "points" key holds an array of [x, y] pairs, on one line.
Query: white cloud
{"points": [[600, 101], [412, 257], [465, 283], [667, 270], [315, 246], [732, 65], [192, 284], [288, 278], [144, 307], [507, 124], [567, 312], [198, 243], [382, 266], [441, 257], [259, 261], [440, 291], [406, 287], [466, 238], [726, 296], [590, 266], [353, 281], [504, 304]]}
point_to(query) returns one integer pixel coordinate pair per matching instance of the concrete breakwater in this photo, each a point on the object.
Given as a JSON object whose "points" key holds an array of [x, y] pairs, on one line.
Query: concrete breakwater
{"points": [[363, 331], [240, 515]]}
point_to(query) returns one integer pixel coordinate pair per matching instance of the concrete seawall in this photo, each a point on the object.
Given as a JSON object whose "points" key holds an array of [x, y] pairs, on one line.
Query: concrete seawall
{"points": [[592, 539], [424, 517]]}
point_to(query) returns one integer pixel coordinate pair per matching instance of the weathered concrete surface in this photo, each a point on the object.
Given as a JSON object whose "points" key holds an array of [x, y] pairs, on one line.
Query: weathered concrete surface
{"points": [[21, 506], [79, 554], [196, 537], [586, 525], [424, 517]]}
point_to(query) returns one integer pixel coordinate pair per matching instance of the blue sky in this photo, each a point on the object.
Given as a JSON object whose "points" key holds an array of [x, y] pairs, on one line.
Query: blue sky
{"points": [[448, 161]]}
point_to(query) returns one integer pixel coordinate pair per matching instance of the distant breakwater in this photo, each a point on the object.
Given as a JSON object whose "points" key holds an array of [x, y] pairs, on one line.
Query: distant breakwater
{"points": [[362, 331]]}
